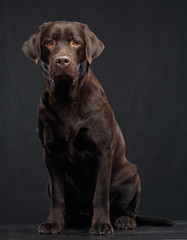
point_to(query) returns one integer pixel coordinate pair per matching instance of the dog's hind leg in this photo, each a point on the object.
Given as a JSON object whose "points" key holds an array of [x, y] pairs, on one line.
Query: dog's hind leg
{"points": [[125, 204]]}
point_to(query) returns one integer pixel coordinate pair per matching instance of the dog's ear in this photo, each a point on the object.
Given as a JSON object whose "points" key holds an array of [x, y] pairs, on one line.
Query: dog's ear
{"points": [[31, 48], [94, 46]]}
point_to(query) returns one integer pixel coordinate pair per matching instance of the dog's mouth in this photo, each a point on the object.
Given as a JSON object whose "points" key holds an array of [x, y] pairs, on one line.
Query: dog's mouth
{"points": [[63, 76], [65, 80]]}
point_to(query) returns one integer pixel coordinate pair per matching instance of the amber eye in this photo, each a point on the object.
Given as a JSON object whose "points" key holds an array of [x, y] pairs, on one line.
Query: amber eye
{"points": [[75, 43], [50, 43]]}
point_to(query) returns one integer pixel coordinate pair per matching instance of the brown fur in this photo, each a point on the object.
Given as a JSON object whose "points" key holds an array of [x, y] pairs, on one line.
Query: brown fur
{"points": [[90, 179]]}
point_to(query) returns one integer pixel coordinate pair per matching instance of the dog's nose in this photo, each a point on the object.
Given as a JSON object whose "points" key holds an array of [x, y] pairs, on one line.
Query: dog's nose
{"points": [[62, 61]]}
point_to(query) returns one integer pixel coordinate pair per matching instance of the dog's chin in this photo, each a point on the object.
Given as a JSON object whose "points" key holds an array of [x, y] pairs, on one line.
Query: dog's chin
{"points": [[66, 82], [63, 81], [63, 87]]}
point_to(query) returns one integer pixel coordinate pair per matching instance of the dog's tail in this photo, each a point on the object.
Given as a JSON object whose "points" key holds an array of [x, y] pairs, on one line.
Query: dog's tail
{"points": [[154, 221]]}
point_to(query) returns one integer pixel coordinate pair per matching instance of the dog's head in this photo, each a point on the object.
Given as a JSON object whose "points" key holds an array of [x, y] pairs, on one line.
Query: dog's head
{"points": [[64, 51]]}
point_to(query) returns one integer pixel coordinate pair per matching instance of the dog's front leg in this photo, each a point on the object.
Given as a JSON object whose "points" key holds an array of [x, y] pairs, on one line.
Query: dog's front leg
{"points": [[55, 221], [101, 220]]}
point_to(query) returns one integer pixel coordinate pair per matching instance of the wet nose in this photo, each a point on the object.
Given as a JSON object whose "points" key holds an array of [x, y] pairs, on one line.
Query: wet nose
{"points": [[62, 61]]}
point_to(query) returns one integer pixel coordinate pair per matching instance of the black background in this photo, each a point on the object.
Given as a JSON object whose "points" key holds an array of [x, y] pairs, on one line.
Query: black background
{"points": [[143, 72]]}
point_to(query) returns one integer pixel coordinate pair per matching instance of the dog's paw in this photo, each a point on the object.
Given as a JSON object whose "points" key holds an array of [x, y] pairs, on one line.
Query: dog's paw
{"points": [[50, 228], [125, 223], [101, 229]]}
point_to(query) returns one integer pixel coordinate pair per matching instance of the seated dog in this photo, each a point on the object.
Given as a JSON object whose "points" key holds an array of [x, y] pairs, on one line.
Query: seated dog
{"points": [[90, 179]]}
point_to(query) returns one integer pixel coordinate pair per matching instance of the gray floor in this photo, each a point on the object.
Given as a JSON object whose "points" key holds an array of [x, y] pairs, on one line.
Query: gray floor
{"points": [[29, 232]]}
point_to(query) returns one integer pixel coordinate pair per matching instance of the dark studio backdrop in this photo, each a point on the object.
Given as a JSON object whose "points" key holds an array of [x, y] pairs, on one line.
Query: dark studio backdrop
{"points": [[143, 72]]}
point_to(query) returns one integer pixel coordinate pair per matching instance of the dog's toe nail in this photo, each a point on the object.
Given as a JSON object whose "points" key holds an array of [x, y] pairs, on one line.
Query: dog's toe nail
{"points": [[41, 230]]}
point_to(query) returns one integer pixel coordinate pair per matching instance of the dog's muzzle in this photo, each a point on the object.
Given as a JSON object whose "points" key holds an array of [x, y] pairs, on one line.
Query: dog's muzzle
{"points": [[62, 62]]}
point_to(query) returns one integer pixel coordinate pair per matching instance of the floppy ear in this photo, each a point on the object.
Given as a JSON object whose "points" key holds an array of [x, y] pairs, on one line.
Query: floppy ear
{"points": [[94, 46], [31, 48]]}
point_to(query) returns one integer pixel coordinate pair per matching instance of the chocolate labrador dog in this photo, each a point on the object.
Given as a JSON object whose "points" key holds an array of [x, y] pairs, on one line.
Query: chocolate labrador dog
{"points": [[90, 179]]}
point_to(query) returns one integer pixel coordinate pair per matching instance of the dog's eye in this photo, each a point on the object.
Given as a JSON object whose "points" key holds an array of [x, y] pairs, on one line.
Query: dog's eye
{"points": [[50, 43], [75, 43]]}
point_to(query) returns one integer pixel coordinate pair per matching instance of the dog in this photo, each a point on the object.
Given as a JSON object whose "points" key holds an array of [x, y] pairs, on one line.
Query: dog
{"points": [[90, 179]]}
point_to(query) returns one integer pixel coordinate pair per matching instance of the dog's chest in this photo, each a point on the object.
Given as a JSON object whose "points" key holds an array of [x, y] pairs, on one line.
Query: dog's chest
{"points": [[66, 133]]}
